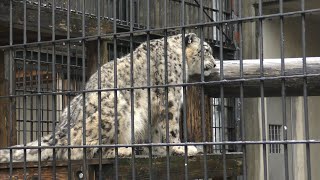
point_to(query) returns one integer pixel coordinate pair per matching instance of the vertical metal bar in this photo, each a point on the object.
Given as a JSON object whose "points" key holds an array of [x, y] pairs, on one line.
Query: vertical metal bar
{"points": [[166, 102], [101, 7], [47, 88], [39, 90], [305, 90], [128, 7], [270, 138], [132, 90], [202, 99], [11, 89], [283, 93], [116, 122], [277, 135], [24, 22], [149, 91], [99, 86], [138, 13], [166, 89], [31, 103], [24, 88], [184, 80], [271, 133], [222, 92], [69, 89], [120, 10], [84, 127], [242, 120], [108, 4], [54, 100], [265, 167], [215, 17], [19, 115]]}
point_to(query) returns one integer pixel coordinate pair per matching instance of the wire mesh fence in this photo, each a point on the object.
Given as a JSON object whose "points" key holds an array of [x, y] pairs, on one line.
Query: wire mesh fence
{"points": [[164, 89]]}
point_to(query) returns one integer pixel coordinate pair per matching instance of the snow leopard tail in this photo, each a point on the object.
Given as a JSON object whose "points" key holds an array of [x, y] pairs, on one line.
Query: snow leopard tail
{"points": [[18, 155]]}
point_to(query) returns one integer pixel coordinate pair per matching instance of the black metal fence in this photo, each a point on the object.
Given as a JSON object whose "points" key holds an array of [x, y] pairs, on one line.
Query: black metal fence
{"points": [[50, 49]]}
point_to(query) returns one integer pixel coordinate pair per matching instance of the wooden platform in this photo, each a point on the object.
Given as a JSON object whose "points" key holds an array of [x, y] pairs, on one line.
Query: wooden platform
{"points": [[158, 169]]}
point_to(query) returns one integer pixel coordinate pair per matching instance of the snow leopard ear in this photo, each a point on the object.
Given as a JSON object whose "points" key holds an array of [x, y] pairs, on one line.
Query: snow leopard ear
{"points": [[189, 38]]}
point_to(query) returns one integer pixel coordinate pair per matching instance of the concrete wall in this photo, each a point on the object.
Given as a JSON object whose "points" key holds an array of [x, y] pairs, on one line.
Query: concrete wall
{"points": [[295, 109], [293, 48], [252, 116], [292, 37], [314, 121], [253, 132]]}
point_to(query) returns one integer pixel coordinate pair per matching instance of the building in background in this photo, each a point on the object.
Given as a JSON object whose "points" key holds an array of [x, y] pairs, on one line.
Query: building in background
{"points": [[275, 128]]}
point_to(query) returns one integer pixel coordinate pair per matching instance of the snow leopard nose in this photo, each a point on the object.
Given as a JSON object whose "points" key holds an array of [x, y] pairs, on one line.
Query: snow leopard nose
{"points": [[214, 65]]}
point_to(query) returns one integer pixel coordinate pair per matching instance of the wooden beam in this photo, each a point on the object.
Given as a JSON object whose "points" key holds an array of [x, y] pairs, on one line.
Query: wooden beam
{"points": [[158, 171], [272, 82], [177, 167], [46, 20], [92, 52], [6, 121], [3, 103], [62, 169]]}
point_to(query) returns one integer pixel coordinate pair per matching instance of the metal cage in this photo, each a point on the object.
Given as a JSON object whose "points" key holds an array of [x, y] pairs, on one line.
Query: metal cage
{"points": [[256, 117]]}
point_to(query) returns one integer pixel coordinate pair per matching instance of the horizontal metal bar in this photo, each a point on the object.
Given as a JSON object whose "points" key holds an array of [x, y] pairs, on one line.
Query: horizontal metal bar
{"points": [[310, 141], [168, 85], [102, 36]]}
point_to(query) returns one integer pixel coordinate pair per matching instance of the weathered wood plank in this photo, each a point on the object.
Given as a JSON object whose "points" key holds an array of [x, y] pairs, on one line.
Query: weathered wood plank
{"points": [[177, 166], [3, 102], [32, 173], [6, 122], [159, 166], [58, 163], [46, 20], [272, 84], [62, 170]]}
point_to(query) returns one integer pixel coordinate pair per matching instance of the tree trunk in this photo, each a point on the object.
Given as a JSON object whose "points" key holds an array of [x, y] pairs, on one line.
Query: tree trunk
{"points": [[194, 120], [8, 131]]}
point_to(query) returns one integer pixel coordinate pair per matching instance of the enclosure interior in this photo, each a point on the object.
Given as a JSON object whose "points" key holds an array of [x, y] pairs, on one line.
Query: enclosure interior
{"points": [[49, 49]]}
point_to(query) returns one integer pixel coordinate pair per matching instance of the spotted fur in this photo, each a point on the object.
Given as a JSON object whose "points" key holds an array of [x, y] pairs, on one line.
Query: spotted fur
{"points": [[140, 103]]}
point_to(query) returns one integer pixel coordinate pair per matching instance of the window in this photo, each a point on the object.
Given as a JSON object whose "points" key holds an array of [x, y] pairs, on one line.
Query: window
{"points": [[275, 135], [230, 124]]}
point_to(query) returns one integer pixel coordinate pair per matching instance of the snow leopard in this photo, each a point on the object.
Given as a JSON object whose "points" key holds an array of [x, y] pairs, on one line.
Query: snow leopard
{"points": [[131, 96]]}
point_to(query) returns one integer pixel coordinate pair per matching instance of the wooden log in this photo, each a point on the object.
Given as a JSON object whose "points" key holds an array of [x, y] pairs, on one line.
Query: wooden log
{"points": [[194, 123], [8, 133], [272, 81], [3, 103]]}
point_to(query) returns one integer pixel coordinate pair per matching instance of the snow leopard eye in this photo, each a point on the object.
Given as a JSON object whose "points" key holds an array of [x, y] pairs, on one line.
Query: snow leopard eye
{"points": [[205, 51]]}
